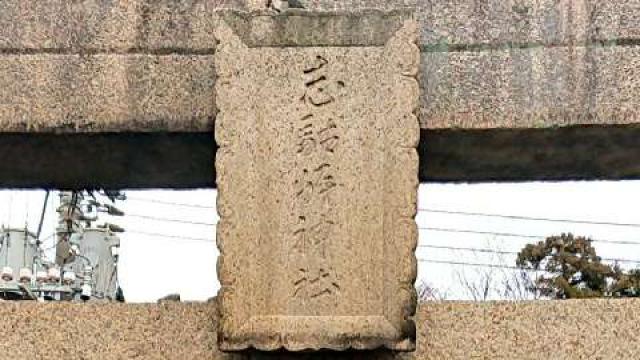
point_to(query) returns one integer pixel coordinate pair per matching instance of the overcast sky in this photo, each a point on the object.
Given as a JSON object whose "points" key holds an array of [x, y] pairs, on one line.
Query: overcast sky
{"points": [[152, 266]]}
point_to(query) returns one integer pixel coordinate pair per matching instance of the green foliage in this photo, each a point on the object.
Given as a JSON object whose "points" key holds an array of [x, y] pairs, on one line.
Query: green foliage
{"points": [[627, 284], [571, 269]]}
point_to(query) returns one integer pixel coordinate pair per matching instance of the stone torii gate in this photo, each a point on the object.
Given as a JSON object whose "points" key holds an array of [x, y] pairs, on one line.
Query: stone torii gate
{"points": [[324, 122]]}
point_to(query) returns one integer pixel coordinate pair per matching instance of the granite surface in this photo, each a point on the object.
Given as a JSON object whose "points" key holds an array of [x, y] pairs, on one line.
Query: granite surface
{"points": [[299, 236], [143, 65], [582, 329]]}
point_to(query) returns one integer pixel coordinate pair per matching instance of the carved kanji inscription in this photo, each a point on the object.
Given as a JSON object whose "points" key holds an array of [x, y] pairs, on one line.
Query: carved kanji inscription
{"points": [[317, 179]]}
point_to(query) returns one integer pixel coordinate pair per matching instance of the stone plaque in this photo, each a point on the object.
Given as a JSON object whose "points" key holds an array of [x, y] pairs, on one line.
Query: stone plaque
{"points": [[317, 177]]}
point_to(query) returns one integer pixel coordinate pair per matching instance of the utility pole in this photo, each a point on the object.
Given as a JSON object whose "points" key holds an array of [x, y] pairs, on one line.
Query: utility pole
{"points": [[69, 222]]}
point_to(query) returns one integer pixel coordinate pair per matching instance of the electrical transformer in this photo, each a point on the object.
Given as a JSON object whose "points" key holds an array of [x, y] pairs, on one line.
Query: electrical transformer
{"points": [[85, 266], [95, 256], [24, 274]]}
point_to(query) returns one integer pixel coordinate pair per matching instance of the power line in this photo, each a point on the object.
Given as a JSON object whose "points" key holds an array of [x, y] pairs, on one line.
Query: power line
{"points": [[441, 211], [42, 214], [489, 251], [478, 232], [532, 218], [465, 213], [429, 228], [439, 229], [55, 243], [524, 236], [155, 218], [178, 237], [446, 262], [154, 201], [453, 212], [499, 252]]}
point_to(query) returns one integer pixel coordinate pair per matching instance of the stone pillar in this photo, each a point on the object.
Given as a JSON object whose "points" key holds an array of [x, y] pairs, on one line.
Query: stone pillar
{"points": [[317, 175]]}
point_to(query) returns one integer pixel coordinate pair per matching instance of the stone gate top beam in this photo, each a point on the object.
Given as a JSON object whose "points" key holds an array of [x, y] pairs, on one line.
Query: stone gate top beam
{"points": [[525, 68], [141, 65]]}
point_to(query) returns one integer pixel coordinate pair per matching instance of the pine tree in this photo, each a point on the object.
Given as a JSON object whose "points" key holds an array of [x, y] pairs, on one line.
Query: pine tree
{"points": [[572, 269]]}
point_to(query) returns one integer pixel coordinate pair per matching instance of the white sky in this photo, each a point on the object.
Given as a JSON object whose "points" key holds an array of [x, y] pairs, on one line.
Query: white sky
{"points": [[154, 266]]}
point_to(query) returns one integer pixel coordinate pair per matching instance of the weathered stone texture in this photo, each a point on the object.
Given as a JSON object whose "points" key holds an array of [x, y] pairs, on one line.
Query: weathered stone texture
{"points": [[531, 88], [106, 92], [537, 63], [109, 26], [298, 28], [350, 5], [583, 329], [506, 23], [526, 22], [524, 88], [75, 331], [188, 25], [300, 234]]}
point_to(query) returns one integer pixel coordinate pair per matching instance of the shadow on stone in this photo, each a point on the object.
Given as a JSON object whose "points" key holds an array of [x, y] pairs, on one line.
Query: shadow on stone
{"points": [[329, 355]]}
